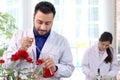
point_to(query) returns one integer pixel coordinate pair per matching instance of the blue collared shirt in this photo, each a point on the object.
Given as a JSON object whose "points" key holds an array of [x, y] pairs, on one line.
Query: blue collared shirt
{"points": [[39, 41]]}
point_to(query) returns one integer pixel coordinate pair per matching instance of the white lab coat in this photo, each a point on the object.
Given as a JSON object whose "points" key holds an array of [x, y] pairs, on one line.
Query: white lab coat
{"points": [[91, 62], [56, 46]]}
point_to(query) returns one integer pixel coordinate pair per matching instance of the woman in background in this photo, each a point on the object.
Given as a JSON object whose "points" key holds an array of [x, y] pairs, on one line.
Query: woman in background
{"points": [[100, 61]]}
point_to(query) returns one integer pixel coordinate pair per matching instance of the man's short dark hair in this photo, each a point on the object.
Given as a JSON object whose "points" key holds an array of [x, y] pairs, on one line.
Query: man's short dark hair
{"points": [[45, 7]]}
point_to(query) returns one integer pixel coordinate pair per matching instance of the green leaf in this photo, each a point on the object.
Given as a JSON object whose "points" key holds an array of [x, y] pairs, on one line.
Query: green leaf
{"points": [[7, 27]]}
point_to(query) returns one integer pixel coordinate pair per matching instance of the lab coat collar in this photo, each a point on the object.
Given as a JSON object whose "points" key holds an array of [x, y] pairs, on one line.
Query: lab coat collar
{"points": [[47, 46], [97, 54], [103, 57]]}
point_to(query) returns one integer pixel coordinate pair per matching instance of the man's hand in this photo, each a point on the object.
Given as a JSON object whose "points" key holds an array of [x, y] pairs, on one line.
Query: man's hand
{"points": [[92, 76], [26, 42], [106, 77], [49, 63]]}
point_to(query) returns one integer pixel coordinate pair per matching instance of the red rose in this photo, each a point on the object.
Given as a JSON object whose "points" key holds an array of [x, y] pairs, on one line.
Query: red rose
{"points": [[39, 61], [22, 53], [15, 57], [1, 61], [29, 60]]}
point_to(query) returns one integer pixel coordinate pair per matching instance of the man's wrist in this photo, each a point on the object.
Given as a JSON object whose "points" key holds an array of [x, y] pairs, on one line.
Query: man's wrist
{"points": [[23, 48]]}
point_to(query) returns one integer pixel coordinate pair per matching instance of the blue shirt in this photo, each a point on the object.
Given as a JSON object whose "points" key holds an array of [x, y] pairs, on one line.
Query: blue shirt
{"points": [[39, 41]]}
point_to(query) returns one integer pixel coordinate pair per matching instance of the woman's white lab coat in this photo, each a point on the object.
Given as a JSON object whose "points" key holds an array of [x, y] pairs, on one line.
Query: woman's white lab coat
{"points": [[91, 62], [56, 47]]}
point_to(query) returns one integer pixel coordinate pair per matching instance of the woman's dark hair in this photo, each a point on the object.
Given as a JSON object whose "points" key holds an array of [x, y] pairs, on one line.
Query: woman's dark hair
{"points": [[107, 36], [45, 7]]}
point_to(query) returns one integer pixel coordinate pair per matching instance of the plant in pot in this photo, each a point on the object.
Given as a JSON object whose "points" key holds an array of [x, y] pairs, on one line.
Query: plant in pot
{"points": [[7, 28]]}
